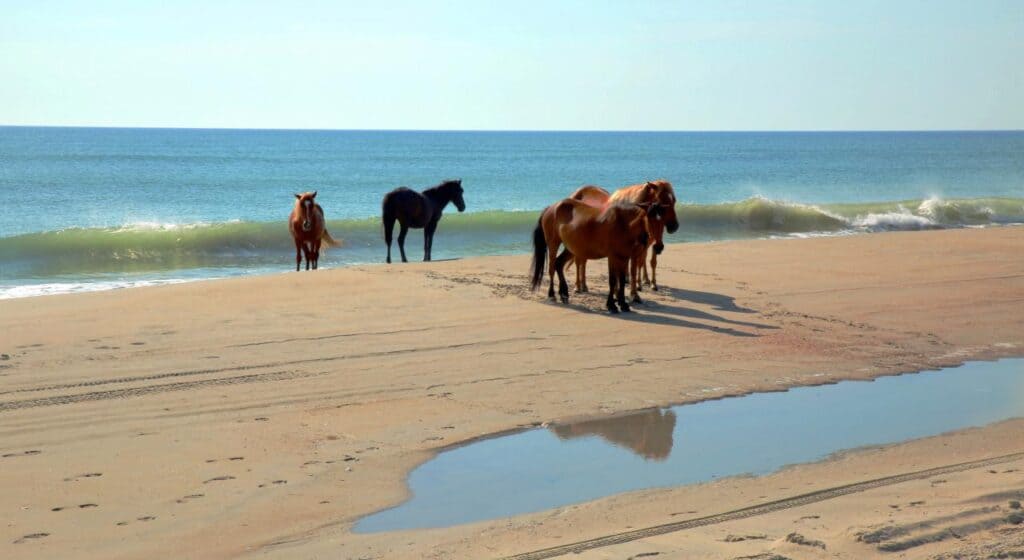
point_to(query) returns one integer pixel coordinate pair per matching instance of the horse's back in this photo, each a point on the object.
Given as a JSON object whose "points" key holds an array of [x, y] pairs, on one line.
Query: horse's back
{"points": [[405, 205], [592, 195]]}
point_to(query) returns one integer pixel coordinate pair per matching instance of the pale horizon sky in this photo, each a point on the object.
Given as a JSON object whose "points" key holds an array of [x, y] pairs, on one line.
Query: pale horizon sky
{"points": [[528, 65]]}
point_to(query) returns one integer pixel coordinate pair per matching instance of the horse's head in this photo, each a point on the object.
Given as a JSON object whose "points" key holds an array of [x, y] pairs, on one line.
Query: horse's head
{"points": [[454, 191], [656, 225], [305, 204], [660, 192]]}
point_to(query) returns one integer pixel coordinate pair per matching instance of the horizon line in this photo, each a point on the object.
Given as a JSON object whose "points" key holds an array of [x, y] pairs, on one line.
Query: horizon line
{"points": [[524, 130]]}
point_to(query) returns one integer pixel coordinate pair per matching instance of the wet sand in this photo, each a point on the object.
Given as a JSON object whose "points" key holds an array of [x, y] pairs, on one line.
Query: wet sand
{"points": [[262, 416]]}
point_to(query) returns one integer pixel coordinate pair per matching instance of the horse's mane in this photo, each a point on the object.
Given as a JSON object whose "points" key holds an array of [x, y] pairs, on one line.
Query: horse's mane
{"points": [[444, 185]]}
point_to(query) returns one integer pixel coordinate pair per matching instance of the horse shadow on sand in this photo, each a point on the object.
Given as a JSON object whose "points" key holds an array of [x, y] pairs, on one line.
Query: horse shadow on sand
{"points": [[664, 313]]}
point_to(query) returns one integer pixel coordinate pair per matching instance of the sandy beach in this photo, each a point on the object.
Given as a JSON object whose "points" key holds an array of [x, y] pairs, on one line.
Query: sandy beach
{"points": [[262, 416]]}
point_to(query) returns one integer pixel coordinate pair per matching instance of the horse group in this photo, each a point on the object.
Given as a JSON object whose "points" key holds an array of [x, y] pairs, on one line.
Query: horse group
{"points": [[593, 224]]}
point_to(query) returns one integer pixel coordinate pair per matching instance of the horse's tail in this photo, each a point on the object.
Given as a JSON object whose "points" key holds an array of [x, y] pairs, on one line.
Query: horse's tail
{"points": [[540, 247], [330, 241]]}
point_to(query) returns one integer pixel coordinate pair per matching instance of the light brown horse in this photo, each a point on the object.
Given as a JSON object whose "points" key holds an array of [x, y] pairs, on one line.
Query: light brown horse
{"points": [[309, 230], [615, 232], [659, 193]]}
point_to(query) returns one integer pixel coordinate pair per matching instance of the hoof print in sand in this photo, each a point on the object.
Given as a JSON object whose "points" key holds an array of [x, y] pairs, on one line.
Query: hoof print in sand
{"points": [[31, 537], [86, 475], [797, 538], [218, 478]]}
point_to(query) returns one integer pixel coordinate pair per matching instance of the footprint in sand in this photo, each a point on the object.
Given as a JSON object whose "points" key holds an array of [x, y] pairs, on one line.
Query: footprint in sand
{"points": [[31, 537], [189, 497], [146, 518], [86, 475], [84, 506], [217, 478], [23, 453]]}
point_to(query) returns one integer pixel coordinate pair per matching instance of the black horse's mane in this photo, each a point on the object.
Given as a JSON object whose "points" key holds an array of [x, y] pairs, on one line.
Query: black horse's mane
{"points": [[445, 184]]}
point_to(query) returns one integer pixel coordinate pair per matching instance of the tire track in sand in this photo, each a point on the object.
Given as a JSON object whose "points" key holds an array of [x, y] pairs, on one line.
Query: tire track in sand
{"points": [[151, 389], [760, 509], [155, 376]]}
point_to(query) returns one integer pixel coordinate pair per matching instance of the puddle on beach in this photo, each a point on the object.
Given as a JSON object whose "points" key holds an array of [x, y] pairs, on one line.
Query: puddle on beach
{"points": [[756, 434]]}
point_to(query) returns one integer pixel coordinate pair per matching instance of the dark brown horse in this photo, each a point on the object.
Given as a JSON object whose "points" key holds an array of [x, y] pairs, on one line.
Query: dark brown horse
{"points": [[659, 193], [309, 230], [616, 232], [418, 210]]}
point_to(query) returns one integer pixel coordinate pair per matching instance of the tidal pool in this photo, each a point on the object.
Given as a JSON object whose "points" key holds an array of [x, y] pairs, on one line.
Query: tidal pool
{"points": [[755, 434]]}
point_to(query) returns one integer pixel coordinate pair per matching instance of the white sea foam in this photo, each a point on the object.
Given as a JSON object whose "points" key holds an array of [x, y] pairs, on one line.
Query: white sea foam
{"points": [[54, 288]]}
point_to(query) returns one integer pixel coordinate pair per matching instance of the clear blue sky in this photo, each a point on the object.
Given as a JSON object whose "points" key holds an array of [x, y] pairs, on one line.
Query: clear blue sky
{"points": [[583, 65]]}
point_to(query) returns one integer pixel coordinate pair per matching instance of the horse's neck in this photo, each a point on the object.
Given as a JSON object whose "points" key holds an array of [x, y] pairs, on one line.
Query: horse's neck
{"points": [[437, 199]]}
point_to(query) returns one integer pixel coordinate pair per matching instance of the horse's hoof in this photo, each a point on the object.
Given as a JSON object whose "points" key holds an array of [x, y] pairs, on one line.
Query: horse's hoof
{"points": [[565, 299], [613, 310], [625, 307], [654, 287], [636, 299]]}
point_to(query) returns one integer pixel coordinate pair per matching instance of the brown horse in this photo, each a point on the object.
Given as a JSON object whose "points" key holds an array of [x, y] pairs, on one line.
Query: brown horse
{"points": [[659, 193], [309, 230], [616, 232]]}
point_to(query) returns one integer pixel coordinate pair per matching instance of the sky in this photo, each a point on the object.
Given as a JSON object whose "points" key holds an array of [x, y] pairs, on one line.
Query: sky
{"points": [[522, 65]]}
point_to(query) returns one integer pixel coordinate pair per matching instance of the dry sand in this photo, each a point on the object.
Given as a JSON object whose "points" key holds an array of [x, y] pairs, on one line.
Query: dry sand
{"points": [[260, 417]]}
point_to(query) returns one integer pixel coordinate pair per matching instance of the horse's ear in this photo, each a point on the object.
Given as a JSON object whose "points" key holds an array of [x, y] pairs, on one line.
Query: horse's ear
{"points": [[649, 187], [313, 195], [297, 195], [459, 181]]}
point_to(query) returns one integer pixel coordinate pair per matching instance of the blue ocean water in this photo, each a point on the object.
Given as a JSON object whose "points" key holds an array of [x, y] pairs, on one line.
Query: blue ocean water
{"points": [[91, 208]]}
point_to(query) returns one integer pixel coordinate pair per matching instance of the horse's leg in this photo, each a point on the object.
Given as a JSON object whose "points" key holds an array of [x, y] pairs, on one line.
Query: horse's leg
{"points": [[563, 286], [644, 261], [581, 275], [298, 254], [634, 278], [654, 271], [404, 229], [552, 258], [428, 240], [306, 248], [316, 253], [612, 277], [623, 268], [389, 227]]}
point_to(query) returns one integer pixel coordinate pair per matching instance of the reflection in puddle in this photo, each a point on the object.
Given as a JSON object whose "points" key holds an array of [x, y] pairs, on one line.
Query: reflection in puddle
{"points": [[756, 434], [648, 433]]}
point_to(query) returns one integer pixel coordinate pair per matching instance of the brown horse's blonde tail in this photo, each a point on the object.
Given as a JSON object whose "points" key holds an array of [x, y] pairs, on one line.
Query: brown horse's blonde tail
{"points": [[330, 241]]}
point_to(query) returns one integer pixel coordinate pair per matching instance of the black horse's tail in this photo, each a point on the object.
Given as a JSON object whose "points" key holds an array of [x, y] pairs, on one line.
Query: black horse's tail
{"points": [[540, 247]]}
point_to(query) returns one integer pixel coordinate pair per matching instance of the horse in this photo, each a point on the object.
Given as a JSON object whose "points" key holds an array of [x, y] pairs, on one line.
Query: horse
{"points": [[309, 230], [653, 192], [616, 232], [418, 210]]}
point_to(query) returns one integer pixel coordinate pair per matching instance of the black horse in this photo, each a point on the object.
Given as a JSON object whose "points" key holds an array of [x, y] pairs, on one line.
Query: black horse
{"points": [[418, 210]]}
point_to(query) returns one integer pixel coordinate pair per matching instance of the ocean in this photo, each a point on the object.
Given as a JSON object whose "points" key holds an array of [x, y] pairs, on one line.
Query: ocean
{"points": [[102, 208]]}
